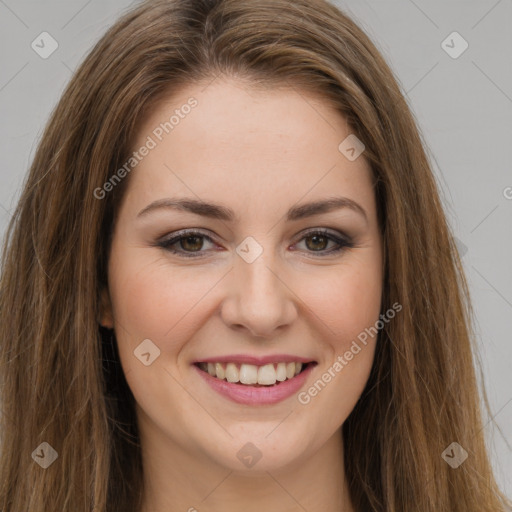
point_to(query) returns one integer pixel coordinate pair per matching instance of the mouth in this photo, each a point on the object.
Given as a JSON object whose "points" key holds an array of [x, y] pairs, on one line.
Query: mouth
{"points": [[255, 381], [256, 376]]}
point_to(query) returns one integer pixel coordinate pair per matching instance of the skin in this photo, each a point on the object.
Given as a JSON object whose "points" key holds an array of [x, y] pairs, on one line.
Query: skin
{"points": [[259, 153]]}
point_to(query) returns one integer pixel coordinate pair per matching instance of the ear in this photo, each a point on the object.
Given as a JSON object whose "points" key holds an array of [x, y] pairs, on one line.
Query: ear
{"points": [[106, 317]]}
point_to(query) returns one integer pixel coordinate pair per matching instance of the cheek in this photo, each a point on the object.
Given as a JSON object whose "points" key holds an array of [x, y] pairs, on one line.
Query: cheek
{"points": [[347, 310], [153, 300], [346, 301]]}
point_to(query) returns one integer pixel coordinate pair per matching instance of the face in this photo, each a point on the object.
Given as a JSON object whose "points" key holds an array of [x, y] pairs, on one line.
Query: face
{"points": [[253, 284]]}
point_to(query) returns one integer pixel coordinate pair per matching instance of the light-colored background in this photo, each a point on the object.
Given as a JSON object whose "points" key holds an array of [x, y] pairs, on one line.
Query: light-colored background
{"points": [[463, 106]]}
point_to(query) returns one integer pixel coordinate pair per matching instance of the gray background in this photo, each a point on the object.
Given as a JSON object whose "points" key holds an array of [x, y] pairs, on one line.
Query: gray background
{"points": [[463, 106]]}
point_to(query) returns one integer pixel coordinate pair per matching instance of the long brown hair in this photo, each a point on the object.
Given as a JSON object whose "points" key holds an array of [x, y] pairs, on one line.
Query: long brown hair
{"points": [[60, 374]]}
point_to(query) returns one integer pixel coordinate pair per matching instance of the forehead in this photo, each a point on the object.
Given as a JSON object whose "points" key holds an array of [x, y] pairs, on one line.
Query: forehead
{"points": [[245, 147]]}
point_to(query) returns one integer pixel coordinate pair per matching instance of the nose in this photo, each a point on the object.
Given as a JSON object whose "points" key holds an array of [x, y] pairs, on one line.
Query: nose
{"points": [[259, 300]]}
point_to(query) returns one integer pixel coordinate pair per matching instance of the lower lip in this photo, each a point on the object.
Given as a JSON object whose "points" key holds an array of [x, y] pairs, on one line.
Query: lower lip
{"points": [[250, 395]]}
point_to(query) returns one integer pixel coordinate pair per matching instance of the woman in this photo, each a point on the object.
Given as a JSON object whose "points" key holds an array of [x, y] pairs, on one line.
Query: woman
{"points": [[229, 282]]}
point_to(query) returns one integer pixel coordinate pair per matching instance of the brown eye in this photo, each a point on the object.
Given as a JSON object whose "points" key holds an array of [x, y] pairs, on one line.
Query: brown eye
{"points": [[192, 243], [187, 244], [318, 242]]}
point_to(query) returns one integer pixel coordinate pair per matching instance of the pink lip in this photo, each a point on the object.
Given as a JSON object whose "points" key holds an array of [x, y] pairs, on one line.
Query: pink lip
{"points": [[251, 395], [258, 361]]}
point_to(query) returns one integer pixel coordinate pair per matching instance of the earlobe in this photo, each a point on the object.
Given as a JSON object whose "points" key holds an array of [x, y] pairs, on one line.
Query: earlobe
{"points": [[106, 317]]}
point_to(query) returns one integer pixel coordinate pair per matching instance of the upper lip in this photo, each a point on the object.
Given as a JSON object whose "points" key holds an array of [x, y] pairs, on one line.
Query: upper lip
{"points": [[255, 360]]}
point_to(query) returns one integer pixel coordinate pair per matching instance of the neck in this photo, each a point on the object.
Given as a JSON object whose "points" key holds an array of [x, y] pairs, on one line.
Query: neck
{"points": [[176, 480]]}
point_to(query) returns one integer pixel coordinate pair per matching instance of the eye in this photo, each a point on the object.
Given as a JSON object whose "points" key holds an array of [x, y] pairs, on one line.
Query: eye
{"points": [[189, 243], [317, 240]]}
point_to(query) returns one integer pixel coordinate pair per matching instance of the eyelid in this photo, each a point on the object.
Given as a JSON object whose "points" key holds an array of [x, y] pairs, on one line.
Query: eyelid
{"points": [[182, 233], [325, 231], [342, 240], [173, 238]]}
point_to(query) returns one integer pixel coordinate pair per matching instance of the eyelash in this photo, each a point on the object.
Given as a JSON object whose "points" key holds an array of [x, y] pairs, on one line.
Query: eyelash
{"points": [[343, 243]]}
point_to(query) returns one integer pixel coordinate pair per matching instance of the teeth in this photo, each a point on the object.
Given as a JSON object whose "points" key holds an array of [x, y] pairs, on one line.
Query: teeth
{"points": [[290, 370], [219, 371], [281, 372], [267, 375], [249, 374], [232, 374]]}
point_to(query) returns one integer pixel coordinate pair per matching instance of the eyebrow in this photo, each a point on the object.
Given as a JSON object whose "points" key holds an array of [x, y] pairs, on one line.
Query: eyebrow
{"points": [[216, 211]]}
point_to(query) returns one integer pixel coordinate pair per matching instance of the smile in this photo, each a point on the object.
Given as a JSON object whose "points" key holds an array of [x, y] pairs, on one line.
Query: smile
{"points": [[252, 384], [253, 375]]}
